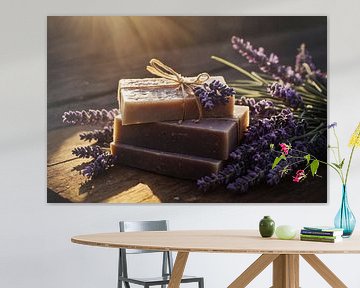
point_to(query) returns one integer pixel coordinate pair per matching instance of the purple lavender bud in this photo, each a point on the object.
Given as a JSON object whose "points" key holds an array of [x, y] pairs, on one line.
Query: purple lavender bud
{"points": [[103, 137], [99, 166], [213, 94], [304, 57], [285, 92], [243, 183], [222, 177], [266, 64], [259, 109], [90, 117], [87, 151], [332, 125]]}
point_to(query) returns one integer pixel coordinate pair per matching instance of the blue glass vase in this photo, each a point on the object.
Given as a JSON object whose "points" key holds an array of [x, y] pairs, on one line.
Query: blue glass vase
{"points": [[345, 219]]}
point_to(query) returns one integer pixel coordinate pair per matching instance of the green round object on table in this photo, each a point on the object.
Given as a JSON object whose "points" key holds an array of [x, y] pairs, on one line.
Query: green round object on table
{"points": [[266, 227], [285, 232]]}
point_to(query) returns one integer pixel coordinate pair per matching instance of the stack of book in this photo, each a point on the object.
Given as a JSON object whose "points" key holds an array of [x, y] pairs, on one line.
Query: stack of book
{"points": [[321, 234]]}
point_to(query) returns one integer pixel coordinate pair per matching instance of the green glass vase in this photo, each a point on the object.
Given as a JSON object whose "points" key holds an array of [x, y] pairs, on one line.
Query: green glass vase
{"points": [[267, 227]]}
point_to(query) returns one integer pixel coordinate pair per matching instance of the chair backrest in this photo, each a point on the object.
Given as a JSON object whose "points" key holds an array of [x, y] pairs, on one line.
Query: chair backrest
{"points": [[134, 226]]}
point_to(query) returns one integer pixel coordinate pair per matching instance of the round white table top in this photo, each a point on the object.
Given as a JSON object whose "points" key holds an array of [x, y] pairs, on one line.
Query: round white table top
{"points": [[220, 241]]}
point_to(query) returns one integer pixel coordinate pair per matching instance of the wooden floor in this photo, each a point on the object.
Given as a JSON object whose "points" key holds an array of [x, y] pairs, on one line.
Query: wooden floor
{"points": [[84, 78]]}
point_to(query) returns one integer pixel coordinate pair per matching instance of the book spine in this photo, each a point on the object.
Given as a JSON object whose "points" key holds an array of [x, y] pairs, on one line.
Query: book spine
{"points": [[318, 236], [320, 233], [317, 239]]}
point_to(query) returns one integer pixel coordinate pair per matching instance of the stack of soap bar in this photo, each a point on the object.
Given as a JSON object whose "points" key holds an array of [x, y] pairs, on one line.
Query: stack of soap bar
{"points": [[172, 164], [188, 150], [158, 99], [210, 137]]}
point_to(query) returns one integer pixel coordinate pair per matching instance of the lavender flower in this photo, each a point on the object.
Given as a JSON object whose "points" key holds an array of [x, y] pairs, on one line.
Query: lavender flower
{"points": [[275, 129], [286, 93], [87, 151], [222, 177], [243, 183], [103, 137], [332, 125], [213, 94], [90, 117], [99, 166], [262, 108], [304, 57], [268, 64]]}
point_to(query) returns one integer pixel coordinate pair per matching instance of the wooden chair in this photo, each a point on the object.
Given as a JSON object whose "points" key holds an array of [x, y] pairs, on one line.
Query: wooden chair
{"points": [[167, 262]]}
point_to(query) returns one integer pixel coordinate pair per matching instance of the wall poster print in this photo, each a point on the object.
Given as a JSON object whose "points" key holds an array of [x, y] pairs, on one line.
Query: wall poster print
{"points": [[186, 109]]}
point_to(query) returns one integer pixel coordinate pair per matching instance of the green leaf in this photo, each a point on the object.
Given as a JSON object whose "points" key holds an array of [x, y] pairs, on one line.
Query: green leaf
{"points": [[342, 163], [314, 166], [307, 157], [238, 68], [277, 160], [336, 165], [271, 146], [339, 166]]}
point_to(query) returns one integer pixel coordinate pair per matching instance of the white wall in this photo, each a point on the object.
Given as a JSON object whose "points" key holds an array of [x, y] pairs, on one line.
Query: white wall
{"points": [[35, 248]]}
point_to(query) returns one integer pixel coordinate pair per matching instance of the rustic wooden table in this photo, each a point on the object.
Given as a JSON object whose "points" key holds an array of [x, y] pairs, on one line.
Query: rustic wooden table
{"points": [[83, 74], [284, 254]]}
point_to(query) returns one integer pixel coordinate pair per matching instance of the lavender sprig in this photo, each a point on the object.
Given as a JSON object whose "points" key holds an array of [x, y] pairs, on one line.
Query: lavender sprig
{"points": [[99, 166], [87, 151], [90, 117], [262, 108], [304, 57], [222, 177], [267, 64], [286, 93], [243, 183], [213, 94], [275, 129], [103, 137]]}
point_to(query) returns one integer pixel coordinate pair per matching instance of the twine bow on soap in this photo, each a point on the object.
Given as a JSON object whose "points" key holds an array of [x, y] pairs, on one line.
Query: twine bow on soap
{"points": [[158, 68]]}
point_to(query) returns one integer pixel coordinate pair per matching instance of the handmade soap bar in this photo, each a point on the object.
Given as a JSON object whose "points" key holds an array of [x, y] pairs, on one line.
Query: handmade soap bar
{"points": [[242, 113], [210, 137], [171, 164], [158, 99]]}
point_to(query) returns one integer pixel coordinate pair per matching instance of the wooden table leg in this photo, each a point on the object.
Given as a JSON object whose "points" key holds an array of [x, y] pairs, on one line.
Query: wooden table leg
{"points": [[286, 271], [293, 264], [178, 269], [253, 270], [324, 271]]}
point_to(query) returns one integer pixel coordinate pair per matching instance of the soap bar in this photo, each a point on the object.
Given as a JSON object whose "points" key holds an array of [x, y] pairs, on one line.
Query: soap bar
{"points": [[171, 164], [158, 99], [243, 114], [210, 137]]}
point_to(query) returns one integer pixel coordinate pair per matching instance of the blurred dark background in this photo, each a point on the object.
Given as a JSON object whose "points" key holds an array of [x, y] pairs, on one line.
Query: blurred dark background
{"points": [[130, 36], [88, 55]]}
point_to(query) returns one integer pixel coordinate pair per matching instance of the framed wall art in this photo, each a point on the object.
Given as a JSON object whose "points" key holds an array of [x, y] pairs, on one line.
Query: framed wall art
{"points": [[186, 109]]}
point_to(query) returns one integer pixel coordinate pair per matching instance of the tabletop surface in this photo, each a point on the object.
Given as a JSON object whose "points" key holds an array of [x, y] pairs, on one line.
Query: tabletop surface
{"points": [[221, 241]]}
